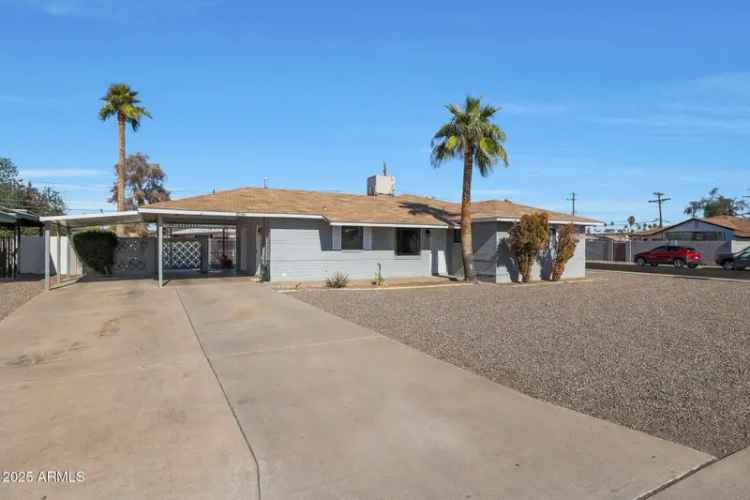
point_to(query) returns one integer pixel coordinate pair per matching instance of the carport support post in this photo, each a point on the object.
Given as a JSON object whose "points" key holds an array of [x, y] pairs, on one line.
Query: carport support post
{"points": [[159, 245], [46, 257], [58, 267]]}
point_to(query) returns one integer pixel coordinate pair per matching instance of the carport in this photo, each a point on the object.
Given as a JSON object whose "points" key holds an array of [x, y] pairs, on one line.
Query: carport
{"points": [[66, 224], [165, 220], [13, 221]]}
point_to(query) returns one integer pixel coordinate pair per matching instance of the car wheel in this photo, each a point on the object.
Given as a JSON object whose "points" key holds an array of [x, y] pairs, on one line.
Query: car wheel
{"points": [[728, 265], [679, 263], [640, 261]]}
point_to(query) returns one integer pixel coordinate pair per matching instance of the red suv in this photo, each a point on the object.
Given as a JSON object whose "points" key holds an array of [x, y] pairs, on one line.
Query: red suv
{"points": [[668, 254]]}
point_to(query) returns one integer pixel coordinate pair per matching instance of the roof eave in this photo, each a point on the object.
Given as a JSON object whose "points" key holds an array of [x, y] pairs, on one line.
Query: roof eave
{"points": [[552, 221]]}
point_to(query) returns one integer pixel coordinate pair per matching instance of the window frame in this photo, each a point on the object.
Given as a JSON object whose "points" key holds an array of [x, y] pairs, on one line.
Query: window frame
{"points": [[397, 240], [361, 239]]}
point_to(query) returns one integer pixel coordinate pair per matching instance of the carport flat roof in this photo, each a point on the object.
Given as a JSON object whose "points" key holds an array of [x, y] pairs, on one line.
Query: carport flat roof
{"points": [[16, 217], [100, 219], [142, 216]]}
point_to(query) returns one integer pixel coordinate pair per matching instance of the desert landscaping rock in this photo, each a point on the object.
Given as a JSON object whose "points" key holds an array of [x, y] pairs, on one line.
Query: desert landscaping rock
{"points": [[666, 355]]}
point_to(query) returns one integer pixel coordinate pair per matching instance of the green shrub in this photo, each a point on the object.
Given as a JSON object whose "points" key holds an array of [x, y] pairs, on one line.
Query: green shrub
{"points": [[527, 238], [96, 249], [338, 280], [565, 248]]}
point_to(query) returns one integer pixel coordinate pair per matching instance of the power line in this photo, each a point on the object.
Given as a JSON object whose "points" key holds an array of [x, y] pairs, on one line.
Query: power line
{"points": [[572, 199], [659, 200]]}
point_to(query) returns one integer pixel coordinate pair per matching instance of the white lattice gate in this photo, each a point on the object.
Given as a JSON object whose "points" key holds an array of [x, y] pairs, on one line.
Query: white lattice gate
{"points": [[182, 255]]}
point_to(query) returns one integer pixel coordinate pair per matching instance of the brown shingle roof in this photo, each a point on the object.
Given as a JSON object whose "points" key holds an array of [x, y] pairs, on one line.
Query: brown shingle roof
{"points": [[740, 225], [343, 207]]}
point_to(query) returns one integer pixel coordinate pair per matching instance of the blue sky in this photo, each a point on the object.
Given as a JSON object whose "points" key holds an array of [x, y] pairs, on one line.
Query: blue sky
{"points": [[611, 100]]}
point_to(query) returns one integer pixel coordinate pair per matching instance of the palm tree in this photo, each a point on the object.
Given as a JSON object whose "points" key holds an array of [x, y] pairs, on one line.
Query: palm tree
{"points": [[121, 101], [472, 135]]}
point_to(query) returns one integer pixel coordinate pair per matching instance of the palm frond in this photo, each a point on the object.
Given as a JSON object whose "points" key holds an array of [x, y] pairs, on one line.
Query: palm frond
{"points": [[121, 100], [470, 129]]}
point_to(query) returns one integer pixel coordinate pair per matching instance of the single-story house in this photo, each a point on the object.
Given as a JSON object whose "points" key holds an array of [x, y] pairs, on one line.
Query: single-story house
{"points": [[719, 228], [297, 235]]}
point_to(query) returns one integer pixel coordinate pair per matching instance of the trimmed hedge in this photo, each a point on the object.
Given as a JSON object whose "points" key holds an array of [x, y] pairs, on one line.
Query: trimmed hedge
{"points": [[96, 249]]}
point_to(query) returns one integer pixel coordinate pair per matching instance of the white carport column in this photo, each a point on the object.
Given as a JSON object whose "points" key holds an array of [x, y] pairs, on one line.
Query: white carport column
{"points": [[58, 266], [159, 245], [46, 257]]}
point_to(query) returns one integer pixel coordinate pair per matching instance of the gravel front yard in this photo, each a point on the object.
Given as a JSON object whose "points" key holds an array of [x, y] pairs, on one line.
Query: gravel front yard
{"points": [[14, 293], [666, 355]]}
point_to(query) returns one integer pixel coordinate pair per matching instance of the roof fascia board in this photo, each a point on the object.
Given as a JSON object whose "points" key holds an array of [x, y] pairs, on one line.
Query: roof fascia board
{"points": [[210, 213], [104, 215], [375, 224], [516, 219]]}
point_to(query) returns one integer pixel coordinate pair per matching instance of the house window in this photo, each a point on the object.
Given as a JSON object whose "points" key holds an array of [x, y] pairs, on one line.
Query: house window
{"points": [[351, 238], [408, 241]]}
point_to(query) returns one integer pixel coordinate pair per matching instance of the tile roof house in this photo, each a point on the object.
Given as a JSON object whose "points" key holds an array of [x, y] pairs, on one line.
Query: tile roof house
{"points": [[298, 235]]}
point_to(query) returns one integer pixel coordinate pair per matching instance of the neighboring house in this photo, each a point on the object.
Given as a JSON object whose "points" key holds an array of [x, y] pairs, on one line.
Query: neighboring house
{"points": [[720, 228], [296, 235], [611, 236]]}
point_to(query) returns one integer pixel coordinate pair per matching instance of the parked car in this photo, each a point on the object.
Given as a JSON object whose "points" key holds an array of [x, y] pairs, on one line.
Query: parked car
{"points": [[670, 254], [738, 260]]}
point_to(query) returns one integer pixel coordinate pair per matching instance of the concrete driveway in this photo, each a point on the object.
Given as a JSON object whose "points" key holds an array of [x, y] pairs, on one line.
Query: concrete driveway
{"points": [[109, 378]]}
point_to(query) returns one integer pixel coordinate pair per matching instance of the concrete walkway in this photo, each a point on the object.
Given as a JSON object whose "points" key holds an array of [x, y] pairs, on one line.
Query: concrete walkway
{"points": [[110, 379], [727, 479]]}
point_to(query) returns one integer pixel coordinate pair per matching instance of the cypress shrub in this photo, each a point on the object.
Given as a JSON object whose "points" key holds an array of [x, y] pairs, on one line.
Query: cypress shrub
{"points": [[528, 237], [565, 248]]}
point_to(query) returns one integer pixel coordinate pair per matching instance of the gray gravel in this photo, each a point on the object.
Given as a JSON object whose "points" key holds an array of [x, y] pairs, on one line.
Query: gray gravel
{"points": [[666, 355], [15, 293]]}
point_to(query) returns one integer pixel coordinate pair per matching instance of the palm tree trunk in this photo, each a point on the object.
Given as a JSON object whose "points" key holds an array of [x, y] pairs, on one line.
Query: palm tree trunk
{"points": [[121, 165], [466, 244]]}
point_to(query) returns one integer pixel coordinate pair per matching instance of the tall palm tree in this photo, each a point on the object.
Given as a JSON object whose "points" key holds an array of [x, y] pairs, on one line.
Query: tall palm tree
{"points": [[121, 101], [472, 135]]}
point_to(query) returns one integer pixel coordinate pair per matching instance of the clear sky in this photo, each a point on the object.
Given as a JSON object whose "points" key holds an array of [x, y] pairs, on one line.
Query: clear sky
{"points": [[612, 100]]}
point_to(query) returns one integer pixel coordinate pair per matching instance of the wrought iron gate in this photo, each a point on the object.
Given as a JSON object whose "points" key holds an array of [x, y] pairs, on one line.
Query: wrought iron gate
{"points": [[8, 256]]}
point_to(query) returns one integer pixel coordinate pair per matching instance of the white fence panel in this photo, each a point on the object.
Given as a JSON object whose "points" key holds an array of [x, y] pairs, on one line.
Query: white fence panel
{"points": [[31, 256]]}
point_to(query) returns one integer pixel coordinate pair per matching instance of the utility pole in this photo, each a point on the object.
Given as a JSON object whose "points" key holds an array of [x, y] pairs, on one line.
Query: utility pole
{"points": [[659, 200], [572, 199]]}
